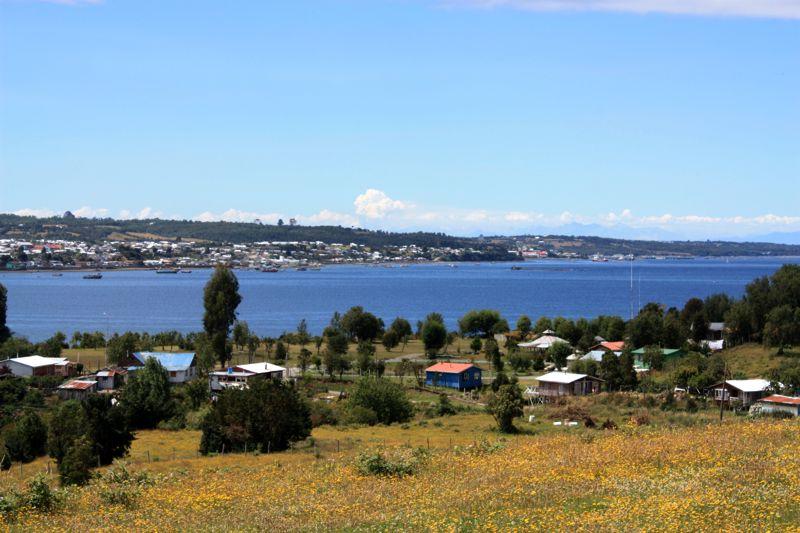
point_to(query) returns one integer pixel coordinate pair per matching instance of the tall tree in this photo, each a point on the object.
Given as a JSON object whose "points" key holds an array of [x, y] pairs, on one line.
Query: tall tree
{"points": [[220, 299], [5, 333], [147, 397]]}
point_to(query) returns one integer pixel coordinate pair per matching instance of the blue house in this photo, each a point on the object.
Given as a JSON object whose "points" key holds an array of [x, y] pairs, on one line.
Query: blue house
{"points": [[461, 376], [182, 367]]}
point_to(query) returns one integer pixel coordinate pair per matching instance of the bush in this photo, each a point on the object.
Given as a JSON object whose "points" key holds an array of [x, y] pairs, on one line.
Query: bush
{"points": [[505, 405], [357, 414], [386, 399], [40, 496], [401, 463], [268, 415], [444, 406], [27, 439], [120, 487], [75, 468], [147, 397], [322, 414]]}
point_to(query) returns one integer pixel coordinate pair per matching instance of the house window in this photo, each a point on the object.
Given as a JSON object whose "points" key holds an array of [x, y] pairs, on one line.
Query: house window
{"points": [[172, 373]]}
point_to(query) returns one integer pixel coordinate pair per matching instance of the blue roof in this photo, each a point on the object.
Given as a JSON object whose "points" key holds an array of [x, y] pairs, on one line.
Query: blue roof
{"points": [[172, 361]]}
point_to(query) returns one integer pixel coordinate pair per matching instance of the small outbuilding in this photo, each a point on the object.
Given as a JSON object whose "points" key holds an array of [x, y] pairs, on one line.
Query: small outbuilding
{"points": [[77, 389], [542, 343], [36, 365], [778, 403], [555, 384], [461, 376]]}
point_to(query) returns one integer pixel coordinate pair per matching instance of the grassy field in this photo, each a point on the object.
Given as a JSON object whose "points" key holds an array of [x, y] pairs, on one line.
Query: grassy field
{"points": [[741, 473]]}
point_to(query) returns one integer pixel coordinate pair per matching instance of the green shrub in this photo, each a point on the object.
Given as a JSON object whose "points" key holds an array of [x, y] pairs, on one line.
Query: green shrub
{"points": [[40, 496], [401, 463], [357, 414], [75, 468], [27, 439], [322, 414], [119, 487], [386, 399]]}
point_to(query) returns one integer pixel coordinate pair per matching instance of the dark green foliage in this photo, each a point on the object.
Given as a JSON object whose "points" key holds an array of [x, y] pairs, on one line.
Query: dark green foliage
{"points": [[475, 345], [366, 354], [386, 399], [67, 423], [520, 361], [121, 346], [196, 392], [106, 429], [76, 467], [434, 336], [5, 333], [524, 325], [611, 372], [444, 407], [402, 327], [390, 340], [494, 355], [500, 379], [505, 405], [281, 352], [482, 323], [361, 325], [267, 416], [26, 439], [558, 353], [403, 463], [147, 398], [220, 300]]}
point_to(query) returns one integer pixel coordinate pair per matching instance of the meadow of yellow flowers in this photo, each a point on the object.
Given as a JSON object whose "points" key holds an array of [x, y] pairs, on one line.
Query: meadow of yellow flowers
{"points": [[741, 474]]}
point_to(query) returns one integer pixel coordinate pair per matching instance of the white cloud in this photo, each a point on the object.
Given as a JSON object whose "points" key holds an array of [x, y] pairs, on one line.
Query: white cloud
{"points": [[779, 9], [377, 204], [235, 215], [327, 217], [90, 212], [33, 212]]}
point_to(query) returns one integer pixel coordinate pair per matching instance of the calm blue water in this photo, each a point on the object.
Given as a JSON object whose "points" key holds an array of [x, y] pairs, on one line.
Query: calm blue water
{"points": [[40, 304]]}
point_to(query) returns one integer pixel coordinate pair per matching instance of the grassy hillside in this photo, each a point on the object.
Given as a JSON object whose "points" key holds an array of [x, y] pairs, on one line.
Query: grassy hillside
{"points": [[740, 473]]}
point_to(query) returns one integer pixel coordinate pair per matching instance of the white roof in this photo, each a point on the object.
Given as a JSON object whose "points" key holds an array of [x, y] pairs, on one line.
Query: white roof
{"points": [[261, 368], [561, 377], [545, 341], [35, 361], [749, 385]]}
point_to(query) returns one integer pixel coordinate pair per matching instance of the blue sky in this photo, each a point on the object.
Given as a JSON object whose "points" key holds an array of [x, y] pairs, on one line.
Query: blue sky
{"points": [[669, 118]]}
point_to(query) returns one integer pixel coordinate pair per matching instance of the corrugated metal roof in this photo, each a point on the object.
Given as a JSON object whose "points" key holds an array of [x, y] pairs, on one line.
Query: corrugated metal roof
{"points": [[749, 385], [780, 398], [450, 368], [77, 384], [172, 361]]}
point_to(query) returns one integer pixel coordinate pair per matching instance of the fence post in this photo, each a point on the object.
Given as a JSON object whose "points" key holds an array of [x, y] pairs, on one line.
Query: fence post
{"points": [[429, 443], [223, 448], [337, 445]]}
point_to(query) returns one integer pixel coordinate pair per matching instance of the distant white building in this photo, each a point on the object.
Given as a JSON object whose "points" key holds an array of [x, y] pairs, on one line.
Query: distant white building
{"points": [[237, 377], [36, 365]]}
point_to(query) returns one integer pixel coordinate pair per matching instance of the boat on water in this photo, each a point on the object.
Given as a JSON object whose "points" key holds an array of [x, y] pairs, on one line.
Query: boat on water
{"points": [[168, 270], [93, 275], [270, 269], [301, 269], [57, 274], [186, 271], [516, 267]]}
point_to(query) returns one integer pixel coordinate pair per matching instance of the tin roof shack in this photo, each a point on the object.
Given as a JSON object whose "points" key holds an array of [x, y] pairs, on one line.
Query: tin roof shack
{"points": [[237, 377], [777, 403], [77, 389], [36, 365], [182, 367], [741, 392], [556, 384], [111, 379], [461, 376]]}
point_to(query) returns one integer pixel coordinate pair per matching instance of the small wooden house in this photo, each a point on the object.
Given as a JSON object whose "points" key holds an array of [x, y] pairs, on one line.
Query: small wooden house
{"points": [[556, 384], [461, 376], [743, 392]]}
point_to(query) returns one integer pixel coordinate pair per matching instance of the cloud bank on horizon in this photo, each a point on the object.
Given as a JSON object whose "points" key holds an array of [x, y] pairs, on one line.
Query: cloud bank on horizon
{"points": [[777, 9], [375, 209]]}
